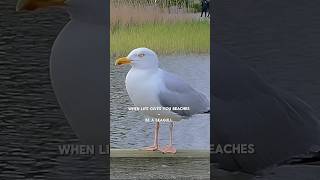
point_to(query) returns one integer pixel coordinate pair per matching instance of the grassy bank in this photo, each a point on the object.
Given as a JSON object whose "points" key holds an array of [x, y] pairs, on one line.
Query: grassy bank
{"points": [[166, 30], [164, 38]]}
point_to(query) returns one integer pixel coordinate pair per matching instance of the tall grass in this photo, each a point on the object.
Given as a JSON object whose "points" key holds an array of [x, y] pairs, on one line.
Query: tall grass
{"points": [[187, 4], [166, 30], [127, 15], [164, 38]]}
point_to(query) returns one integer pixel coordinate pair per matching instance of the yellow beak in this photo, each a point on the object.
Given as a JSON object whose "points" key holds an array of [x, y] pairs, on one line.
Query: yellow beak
{"points": [[32, 5], [123, 60]]}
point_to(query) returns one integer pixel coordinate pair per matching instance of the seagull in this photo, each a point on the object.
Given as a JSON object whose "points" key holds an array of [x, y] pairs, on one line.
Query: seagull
{"points": [[248, 110], [79, 66], [149, 86]]}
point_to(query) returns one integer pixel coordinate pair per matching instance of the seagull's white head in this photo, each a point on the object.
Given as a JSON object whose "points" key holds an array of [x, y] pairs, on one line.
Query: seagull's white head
{"points": [[140, 58]]}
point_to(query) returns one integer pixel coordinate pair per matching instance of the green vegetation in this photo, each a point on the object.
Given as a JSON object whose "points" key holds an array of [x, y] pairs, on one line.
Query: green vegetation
{"points": [[171, 30], [164, 38], [196, 7]]}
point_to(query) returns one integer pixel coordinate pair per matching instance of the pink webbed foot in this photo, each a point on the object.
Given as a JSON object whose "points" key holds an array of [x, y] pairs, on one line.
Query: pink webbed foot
{"points": [[169, 149], [152, 148]]}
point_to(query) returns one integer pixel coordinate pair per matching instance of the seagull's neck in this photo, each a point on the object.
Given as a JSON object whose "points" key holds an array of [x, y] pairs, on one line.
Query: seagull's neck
{"points": [[151, 69], [140, 74]]}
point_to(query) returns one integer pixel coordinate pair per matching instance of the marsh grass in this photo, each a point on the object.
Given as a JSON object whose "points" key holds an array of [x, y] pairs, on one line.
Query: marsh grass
{"points": [[167, 31], [164, 38], [187, 4], [126, 15]]}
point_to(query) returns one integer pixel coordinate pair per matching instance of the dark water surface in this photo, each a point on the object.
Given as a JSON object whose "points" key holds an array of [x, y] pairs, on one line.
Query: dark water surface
{"points": [[31, 122]]}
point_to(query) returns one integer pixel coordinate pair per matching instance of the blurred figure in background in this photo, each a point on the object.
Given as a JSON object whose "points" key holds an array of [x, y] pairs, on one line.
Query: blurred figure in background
{"points": [[204, 8]]}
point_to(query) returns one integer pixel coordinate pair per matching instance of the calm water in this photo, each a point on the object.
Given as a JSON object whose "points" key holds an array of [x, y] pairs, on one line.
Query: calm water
{"points": [[32, 124], [128, 128]]}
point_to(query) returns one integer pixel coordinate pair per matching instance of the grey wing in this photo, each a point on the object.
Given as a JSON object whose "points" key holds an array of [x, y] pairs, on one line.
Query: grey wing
{"points": [[177, 93]]}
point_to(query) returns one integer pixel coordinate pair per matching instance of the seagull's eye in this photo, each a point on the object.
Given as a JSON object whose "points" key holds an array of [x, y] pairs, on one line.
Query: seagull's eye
{"points": [[141, 55]]}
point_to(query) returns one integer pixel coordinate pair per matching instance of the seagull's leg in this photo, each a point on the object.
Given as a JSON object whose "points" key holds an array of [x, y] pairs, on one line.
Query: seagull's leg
{"points": [[155, 145], [170, 148]]}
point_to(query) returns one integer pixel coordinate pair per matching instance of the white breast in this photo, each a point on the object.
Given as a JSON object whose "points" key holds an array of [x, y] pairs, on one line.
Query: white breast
{"points": [[143, 87]]}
